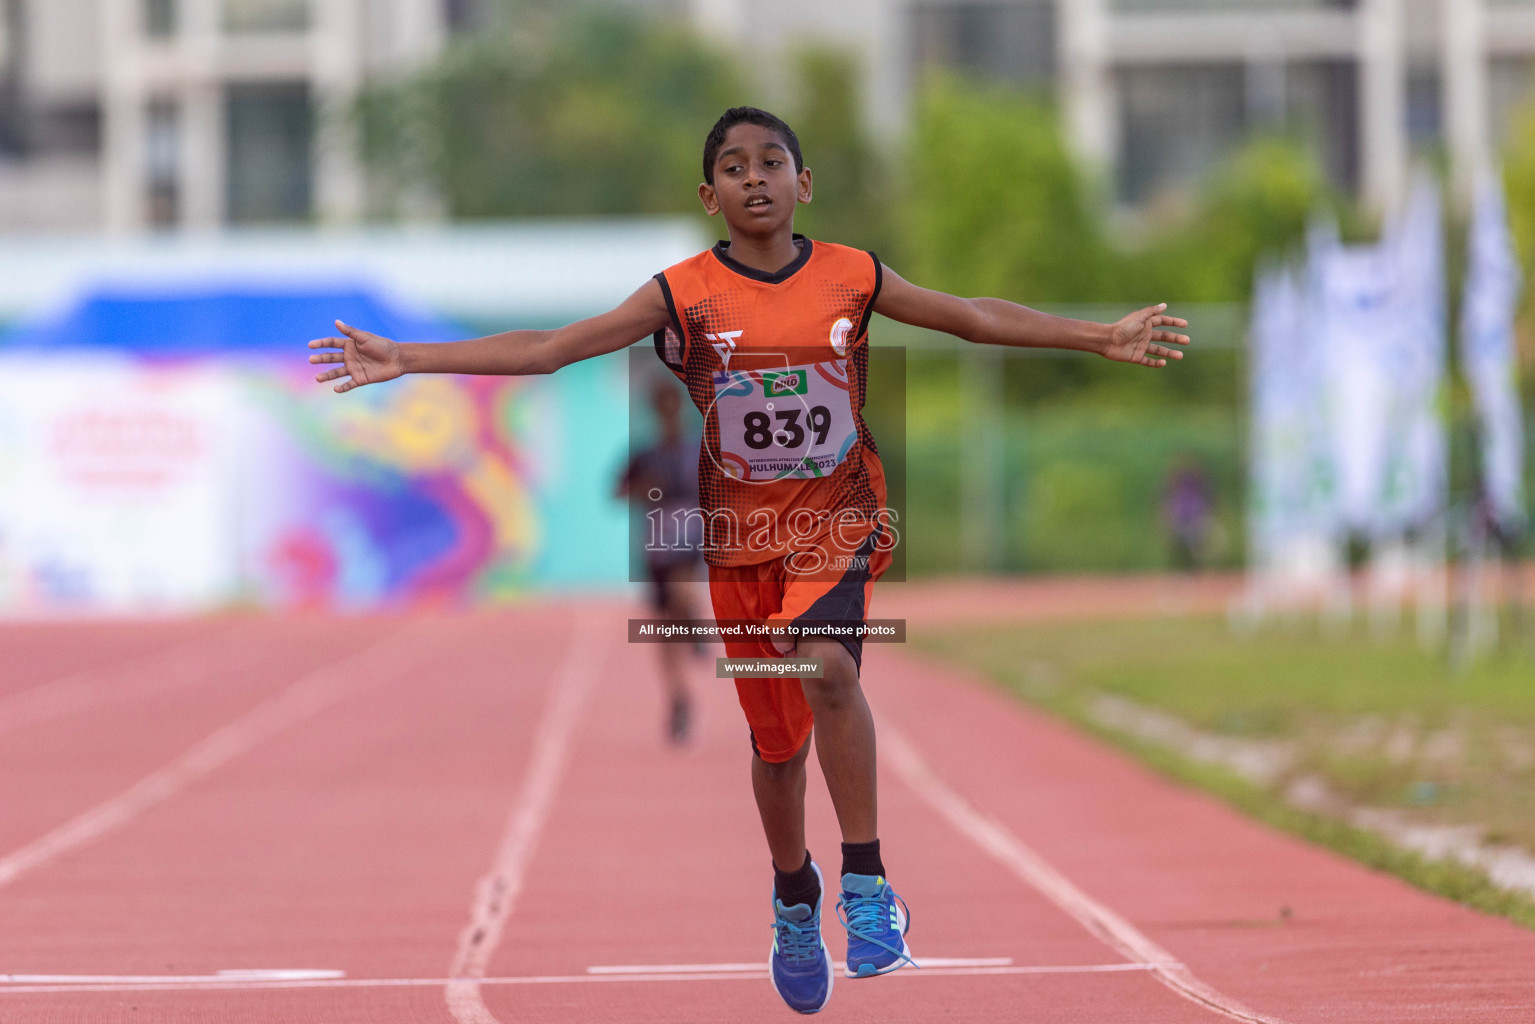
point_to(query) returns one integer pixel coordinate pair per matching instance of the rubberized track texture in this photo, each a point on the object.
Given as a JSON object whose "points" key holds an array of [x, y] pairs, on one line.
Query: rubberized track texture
{"points": [[473, 818]]}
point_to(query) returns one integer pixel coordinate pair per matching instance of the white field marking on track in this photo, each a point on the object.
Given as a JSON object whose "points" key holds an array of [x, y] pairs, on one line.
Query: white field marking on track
{"points": [[310, 694], [1103, 923], [182, 664], [758, 973], [927, 961], [497, 892], [238, 976]]}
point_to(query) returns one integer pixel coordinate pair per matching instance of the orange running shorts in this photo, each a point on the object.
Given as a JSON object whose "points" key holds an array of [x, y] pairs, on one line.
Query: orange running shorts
{"points": [[776, 711]]}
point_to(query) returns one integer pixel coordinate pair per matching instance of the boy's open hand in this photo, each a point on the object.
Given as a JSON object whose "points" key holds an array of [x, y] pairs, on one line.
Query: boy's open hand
{"points": [[1138, 338], [367, 358]]}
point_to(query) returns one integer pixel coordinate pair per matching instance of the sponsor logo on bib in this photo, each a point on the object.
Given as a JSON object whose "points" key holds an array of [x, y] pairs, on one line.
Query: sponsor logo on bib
{"points": [[791, 383]]}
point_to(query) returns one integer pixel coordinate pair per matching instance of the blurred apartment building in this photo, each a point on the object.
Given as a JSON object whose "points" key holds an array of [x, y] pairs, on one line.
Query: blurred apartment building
{"points": [[1155, 91], [133, 115]]}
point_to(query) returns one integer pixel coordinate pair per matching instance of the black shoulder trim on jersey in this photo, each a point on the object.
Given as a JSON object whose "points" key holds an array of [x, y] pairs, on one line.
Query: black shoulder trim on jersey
{"points": [[868, 311], [671, 307], [779, 276]]}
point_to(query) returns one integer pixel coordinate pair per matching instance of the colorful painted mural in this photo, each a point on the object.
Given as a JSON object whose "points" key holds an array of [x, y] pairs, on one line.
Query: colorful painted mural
{"points": [[423, 490]]}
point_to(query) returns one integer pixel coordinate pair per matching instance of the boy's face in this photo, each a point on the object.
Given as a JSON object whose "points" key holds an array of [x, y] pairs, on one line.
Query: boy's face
{"points": [[755, 185]]}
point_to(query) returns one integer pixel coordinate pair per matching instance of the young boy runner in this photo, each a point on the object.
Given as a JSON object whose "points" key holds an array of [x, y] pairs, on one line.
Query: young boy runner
{"points": [[769, 332]]}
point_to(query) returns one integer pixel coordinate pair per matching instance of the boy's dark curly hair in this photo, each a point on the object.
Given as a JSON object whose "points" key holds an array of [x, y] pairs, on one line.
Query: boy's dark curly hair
{"points": [[748, 115]]}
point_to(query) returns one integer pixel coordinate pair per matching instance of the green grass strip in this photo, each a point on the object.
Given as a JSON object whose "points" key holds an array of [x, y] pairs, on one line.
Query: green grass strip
{"points": [[1463, 883], [993, 654]]}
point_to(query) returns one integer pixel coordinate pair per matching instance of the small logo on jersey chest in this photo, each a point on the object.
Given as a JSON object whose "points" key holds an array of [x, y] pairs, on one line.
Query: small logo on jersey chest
{"points": [[724, 343], [839, 333]]}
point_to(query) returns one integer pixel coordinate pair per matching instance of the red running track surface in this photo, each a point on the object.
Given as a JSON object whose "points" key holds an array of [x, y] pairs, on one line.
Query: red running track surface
{"points": [[374, 804]]}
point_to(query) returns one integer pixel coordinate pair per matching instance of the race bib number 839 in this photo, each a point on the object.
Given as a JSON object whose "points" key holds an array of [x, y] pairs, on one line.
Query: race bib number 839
{"points": [[793, 423]]}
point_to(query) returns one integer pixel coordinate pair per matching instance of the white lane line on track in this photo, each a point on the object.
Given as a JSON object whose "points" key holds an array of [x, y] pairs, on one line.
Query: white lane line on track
{"points": [[758, 973], [497, 892], [927, 961], [235, 976], [1103, 923], [302, 699], [182, 664]]}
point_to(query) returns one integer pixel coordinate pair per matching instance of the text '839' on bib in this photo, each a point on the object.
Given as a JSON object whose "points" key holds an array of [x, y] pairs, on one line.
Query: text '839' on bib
{"points": [[793, 422]]}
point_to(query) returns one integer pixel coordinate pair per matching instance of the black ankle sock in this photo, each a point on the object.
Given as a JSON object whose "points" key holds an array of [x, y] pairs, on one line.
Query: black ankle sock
{"points": [[794, 887], [862, 859]]}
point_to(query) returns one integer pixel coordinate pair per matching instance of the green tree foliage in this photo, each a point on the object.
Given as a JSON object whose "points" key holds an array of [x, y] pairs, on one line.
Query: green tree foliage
{"points": [[593, 113], [849, 188], [993, 203], [1519, 179], [1255, 202]]}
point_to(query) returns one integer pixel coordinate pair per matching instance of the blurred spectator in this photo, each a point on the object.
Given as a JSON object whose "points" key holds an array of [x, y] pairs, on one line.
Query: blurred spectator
{"points": [[1188, 514]]}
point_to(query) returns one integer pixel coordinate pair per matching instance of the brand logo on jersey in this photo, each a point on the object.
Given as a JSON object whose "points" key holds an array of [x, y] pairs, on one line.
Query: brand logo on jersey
{"points": [[839, 332], [793, 383], [724, 343]]}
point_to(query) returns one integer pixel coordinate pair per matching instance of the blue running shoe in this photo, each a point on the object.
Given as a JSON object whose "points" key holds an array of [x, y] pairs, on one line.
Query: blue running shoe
{"points": [[876, 920], [799, 964]]}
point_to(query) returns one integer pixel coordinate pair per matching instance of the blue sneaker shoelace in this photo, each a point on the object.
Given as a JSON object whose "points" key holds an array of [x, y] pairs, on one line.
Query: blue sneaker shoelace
{"points": [[799, 942], [865, 917]]}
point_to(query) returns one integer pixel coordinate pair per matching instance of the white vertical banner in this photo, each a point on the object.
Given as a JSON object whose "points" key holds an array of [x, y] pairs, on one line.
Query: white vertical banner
{"points": [[1349, 370], [1291, 475], [1267, 522], [1354, 292], [1488, 357], [1295, 529], [1415, 486], [115, 487]]}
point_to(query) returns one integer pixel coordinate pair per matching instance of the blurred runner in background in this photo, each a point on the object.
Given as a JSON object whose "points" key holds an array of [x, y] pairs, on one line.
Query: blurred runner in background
{"points": [[661, 483]]}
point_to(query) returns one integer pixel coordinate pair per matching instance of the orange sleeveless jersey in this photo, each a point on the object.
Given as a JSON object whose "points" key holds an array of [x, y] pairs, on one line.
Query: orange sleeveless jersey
{"points": [[778, 366]]}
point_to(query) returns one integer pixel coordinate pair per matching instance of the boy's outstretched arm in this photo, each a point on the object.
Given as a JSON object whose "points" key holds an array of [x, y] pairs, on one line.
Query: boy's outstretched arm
{"points": [[368, 358], [1138, 338]]}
